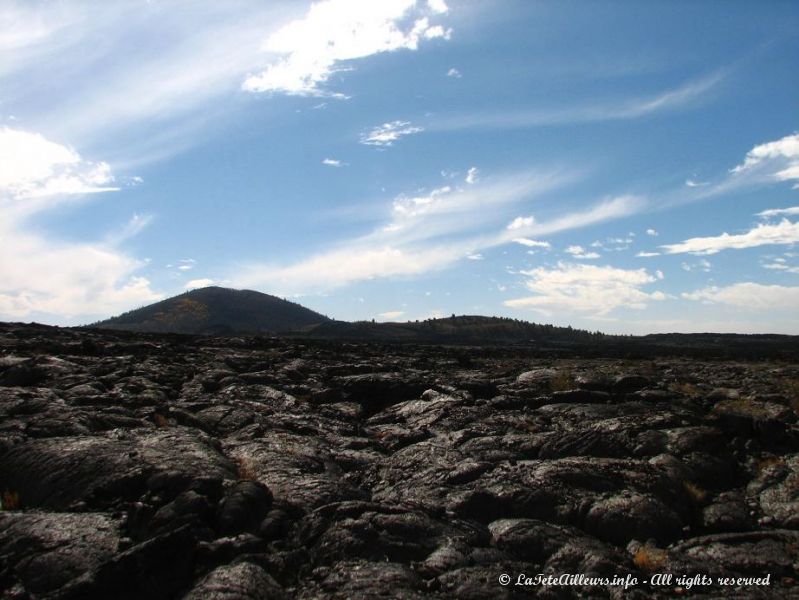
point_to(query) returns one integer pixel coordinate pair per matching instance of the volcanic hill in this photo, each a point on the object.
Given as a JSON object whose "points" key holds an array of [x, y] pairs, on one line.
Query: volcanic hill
{"points": [[217, 311]]}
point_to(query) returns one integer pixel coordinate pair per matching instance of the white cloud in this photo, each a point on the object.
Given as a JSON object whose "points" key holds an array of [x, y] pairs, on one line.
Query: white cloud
{"points": [[349, 264], [749, 295], [779, 265], [692, 183], [652, 232], [391, 315], [438, 6], [521, 223], [777, 160], [335, 31], [471, 175], [532, 243], [44, 278], [63, 74], [764, 164], [388, 133], [475, 256], [198, 283], [20, 29], [701, 265], [647, 254], [416, 206], [436, 31], [617, 244], [580, 253], [784, 232], [453, 72], [332, 162], [34, 167], [60, 281], [779, 212], [586, 289]]}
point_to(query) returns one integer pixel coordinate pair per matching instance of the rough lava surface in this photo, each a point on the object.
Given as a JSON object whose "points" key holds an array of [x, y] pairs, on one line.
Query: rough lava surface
{"points": [[165, 466]]}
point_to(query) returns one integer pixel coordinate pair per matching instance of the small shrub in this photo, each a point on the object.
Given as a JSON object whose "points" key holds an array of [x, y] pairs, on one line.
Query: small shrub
{"points": [[562, 382], [768, 461], [696, 493], [10, 501], [649, 558], [685, 388], [161, 421]]}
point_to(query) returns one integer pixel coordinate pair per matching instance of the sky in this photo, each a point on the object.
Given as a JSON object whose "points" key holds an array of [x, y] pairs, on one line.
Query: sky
{"points": [[623, 166]]}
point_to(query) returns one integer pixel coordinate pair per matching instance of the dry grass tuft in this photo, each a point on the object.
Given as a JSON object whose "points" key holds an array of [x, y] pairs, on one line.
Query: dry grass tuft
{"points": [[684, 387], [161, 421], [768, 461], [10, 501], [649, 558], [745, 407], [246, 470], [696, 493], [562, 382]]}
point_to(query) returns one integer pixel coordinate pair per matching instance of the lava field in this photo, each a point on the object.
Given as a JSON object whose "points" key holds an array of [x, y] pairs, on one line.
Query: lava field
{"points": [[244, 468]]}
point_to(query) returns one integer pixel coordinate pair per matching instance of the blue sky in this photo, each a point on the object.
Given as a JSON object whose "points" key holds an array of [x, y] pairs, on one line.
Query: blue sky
{"points": [[623, 166]]}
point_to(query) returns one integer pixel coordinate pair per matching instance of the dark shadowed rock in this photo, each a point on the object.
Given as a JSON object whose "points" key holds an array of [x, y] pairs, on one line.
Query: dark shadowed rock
{"points": [[243, 507], [244, 581], [47, 551]]}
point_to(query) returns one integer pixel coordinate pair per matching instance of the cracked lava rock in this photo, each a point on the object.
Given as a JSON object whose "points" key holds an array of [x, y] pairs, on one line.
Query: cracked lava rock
{"points": [[241, 468]]}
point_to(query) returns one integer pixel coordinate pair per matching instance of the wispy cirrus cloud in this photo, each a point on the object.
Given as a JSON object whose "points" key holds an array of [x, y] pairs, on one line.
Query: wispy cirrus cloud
{"points": [[196, 58], [332, 32], [388, 133], [683, 96], [784, 232], [532, 243], [767, 163], [72, 74], [692, 183], [432, 231], [779, 212]]}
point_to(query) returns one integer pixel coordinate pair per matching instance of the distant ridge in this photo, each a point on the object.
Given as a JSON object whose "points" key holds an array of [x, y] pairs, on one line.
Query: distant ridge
{"points": [[217, 311], [223, 311], [474, 329]]}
